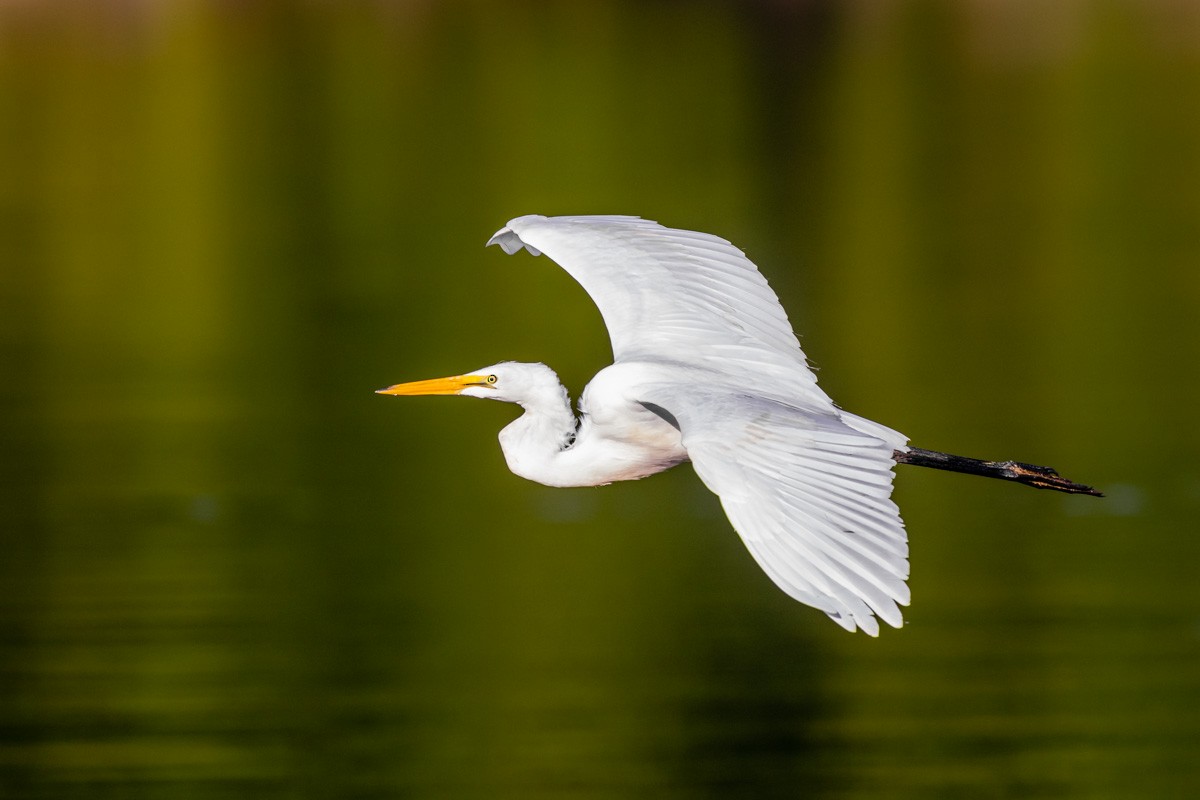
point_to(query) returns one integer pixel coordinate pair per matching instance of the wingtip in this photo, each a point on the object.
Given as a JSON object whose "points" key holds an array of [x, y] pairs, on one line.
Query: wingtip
{"points": [[509, 237], [869, 626], [508, 240]]}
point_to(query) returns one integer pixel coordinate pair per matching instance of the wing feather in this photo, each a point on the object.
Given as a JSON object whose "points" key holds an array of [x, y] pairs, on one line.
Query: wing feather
{"points": [[668, 294], [810, 497]]}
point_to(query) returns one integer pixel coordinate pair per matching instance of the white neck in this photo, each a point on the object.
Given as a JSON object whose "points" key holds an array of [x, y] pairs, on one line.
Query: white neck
{"points": [[535, 442]]}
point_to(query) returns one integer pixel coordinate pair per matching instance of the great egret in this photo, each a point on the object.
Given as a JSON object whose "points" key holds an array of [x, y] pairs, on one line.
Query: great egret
{"points": [[707, 369]]}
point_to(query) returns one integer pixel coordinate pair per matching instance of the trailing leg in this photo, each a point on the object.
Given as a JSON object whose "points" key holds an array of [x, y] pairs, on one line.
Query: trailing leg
{"points": [[1028, 474]]}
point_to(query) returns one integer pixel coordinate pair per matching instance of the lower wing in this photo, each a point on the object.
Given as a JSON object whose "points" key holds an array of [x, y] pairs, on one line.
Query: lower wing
{"points": [[810, 497]]}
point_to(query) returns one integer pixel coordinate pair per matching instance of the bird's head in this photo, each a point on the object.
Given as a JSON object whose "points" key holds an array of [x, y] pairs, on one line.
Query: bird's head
{"points": [[508, 381]]}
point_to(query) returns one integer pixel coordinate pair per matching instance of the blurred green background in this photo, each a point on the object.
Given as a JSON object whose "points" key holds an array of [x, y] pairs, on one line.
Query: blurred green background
{"points": [[230, 570]]}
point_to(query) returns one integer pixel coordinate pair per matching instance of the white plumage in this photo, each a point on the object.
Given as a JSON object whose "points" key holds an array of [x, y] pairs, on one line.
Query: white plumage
{"points": [[707, 369]]}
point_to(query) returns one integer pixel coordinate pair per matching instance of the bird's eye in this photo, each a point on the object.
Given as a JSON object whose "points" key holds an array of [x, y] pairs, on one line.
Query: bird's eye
{"points": [[491, 379]]}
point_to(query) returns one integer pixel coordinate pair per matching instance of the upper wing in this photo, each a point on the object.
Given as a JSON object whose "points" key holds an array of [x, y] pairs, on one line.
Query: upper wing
{"points": [[810, 497], [674, 295]]}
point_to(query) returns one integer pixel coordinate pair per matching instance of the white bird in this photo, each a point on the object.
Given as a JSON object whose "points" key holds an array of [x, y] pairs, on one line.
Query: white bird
{"points": [[706, 369]]}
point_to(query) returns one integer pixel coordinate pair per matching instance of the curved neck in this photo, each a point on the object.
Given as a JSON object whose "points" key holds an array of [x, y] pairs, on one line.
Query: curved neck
{"points": [[534, 442]]}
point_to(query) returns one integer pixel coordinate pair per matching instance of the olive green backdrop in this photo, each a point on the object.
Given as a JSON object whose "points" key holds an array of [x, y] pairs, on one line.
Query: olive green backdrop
{"points": [[227, 569]]}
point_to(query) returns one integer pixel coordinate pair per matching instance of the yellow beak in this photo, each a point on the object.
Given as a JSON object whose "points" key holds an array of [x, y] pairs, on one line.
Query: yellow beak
{"points": [[451, 385]]}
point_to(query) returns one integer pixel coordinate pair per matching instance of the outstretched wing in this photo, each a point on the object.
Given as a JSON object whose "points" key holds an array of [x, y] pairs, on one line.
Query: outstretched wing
{"points": [[810, 497], [673, 295]]}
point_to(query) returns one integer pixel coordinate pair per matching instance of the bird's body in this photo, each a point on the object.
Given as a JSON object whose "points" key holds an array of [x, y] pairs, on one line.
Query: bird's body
{"points": [[707, 369]]}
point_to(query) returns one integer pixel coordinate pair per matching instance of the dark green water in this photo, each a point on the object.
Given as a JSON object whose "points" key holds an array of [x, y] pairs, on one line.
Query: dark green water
{"points": [[230, 570]]}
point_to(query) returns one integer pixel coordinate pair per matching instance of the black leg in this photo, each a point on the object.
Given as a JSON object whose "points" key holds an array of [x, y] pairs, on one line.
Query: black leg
{"points": [[1028, 474]]}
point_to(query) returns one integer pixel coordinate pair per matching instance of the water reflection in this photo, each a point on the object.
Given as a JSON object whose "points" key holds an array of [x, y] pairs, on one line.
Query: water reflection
{"points": [[231, 570]]}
